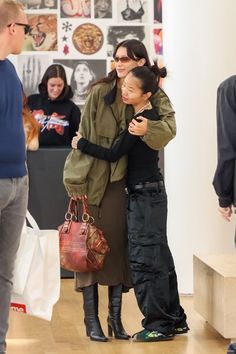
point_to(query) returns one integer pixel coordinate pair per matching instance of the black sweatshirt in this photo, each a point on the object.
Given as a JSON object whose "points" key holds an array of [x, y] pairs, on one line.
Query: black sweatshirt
{"points": [[59, 119], [142, 160]]}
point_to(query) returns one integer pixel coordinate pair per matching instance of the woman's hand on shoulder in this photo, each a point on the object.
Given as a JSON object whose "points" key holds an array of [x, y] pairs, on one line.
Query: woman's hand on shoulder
{"points": [[75, 140], [138, 128]]}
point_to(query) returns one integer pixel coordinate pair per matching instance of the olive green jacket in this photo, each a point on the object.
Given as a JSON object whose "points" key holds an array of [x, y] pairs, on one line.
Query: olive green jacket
{"points": [[103, 117]]}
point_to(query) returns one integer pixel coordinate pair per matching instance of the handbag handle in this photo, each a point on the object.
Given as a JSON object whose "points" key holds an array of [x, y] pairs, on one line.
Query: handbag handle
{"points": [[72, 212]]}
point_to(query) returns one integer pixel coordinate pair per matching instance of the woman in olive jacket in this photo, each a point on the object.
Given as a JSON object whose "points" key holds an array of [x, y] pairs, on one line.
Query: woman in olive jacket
{"points": [[103, 117]]}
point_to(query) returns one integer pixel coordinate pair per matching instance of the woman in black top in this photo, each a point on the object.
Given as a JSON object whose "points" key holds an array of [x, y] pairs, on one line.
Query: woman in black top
{"points": [[153, 271], [52, 107]]}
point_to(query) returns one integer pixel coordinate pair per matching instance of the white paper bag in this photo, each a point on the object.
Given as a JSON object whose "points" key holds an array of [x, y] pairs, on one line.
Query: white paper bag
{"points": [[25, 254], [42, 286]]}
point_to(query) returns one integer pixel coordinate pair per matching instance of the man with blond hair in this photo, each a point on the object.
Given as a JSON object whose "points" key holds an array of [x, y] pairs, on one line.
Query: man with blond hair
{"points": [[13, 173]]}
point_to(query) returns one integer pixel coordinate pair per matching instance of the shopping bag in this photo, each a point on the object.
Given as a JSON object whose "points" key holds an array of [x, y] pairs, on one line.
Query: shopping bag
{"points": [[25, 254], [42, 286]]}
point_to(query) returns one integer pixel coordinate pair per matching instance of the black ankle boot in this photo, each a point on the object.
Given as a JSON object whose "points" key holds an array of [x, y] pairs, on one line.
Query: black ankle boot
{"points": [[91, 320], [114, 317]]}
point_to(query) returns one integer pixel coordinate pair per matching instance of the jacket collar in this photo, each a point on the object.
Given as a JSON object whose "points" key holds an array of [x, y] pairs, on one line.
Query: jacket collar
{"points": [[110, 97]]}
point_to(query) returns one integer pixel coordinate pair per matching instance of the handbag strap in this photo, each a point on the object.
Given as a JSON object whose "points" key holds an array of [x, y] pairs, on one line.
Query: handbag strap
{"points": [[72, 212], [84, 200]]}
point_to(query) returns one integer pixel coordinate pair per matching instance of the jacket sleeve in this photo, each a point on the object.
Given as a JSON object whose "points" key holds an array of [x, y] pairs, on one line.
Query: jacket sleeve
{"points": [[120, 147], [160, 132], [77, 164], [223, 181], [74, 120]]}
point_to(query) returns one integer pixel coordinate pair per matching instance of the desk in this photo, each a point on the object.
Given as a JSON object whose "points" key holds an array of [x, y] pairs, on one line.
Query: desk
{"points": [[48, 199]]}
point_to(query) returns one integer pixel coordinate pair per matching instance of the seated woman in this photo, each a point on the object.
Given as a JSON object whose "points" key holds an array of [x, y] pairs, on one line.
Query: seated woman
{"points": [[52, 107]]}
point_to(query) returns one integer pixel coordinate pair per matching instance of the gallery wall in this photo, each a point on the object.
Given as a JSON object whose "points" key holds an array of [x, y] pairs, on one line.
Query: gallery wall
{"points": [[85, 32], [200, 52]]}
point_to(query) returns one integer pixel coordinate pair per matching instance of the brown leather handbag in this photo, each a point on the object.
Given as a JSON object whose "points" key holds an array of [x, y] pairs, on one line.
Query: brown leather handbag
{"points": [[83, 246]]}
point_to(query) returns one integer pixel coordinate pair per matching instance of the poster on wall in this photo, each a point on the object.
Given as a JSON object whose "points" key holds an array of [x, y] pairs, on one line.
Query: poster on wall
{"points": [[81, 74], [102, 9], [157, 11], [75, 8], [87, 38], [133, 11], [31, 69], [43, 33], [117, 34], [157, 41], [39, 4]]}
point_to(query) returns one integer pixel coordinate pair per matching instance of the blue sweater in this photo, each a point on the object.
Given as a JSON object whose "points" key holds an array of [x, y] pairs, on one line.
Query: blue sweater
{"points": [[12, 137]]}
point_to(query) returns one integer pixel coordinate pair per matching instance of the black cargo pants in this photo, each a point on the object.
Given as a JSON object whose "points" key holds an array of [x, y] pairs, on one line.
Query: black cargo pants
{"points": [[153, 272]]}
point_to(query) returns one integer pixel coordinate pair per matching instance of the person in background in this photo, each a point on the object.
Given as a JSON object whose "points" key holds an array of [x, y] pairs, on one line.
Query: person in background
{"points": [[224, 181], [81, 79], [13, 173], [31, 127], [153, 271], [52, 107], [104, 116]]}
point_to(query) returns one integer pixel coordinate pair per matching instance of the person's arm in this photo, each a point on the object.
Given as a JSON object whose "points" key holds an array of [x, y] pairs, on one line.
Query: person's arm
{"points": [[157, 134], [77, 164], [223, 181], [121, 146]]}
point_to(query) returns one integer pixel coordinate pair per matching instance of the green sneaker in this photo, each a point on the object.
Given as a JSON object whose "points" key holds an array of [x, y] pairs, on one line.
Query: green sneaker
{"points": [[181, 329], [151, 336]]}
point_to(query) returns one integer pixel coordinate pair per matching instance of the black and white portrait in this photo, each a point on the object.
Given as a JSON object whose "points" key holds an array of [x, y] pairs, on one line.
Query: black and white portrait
{"points": [[31, 69], [103, 8], [39, 4], [133, 10], [116, 34], [81, 74]]}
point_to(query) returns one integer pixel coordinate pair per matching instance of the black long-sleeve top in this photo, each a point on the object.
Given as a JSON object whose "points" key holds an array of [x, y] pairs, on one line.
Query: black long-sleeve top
{"points": [[142, 160], [225, 175]]}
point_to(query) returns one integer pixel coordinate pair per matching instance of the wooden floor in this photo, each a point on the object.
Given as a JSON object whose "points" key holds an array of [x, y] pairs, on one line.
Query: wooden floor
{"points": [[65, 334]]}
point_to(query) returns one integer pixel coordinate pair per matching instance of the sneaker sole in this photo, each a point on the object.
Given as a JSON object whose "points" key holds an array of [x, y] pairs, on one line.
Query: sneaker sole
{"points": [[154, 339]]}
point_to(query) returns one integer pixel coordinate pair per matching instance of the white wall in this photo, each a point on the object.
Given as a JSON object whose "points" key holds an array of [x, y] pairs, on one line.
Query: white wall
{"points": [[199, 52]]}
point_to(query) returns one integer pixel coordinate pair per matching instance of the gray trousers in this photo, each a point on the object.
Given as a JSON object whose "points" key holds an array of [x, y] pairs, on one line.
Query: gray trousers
{"points": [[13, 205]]}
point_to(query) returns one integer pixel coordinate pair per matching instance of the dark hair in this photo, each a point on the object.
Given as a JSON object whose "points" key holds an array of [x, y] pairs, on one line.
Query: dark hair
{"points": [[149, 77], [73, 81], [135, 50], [54, 71]]}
